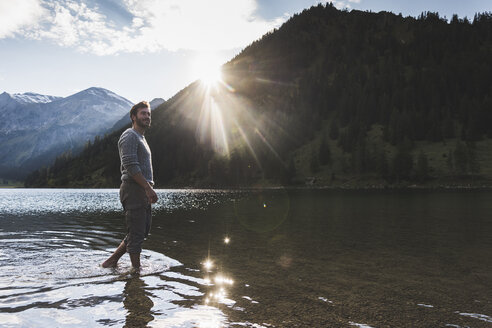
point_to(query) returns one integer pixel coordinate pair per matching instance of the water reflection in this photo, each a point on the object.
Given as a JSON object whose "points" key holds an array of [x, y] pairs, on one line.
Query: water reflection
{"points": [[198, 316], [137, 303], [217, 290]]}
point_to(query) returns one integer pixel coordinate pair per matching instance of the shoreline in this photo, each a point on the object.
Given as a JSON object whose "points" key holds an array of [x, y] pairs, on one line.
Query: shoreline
{"points": [[441, 187]]}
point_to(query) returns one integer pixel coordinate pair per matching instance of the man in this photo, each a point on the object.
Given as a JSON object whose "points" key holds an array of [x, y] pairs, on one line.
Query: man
{"points": [[136, 192]]}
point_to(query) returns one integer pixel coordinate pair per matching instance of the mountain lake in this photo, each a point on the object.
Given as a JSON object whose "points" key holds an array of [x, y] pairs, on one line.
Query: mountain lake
{"points": [[249, 258]]}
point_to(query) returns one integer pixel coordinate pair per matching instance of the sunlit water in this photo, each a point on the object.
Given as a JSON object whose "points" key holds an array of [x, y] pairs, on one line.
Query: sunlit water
{"points": [[259, 258]]}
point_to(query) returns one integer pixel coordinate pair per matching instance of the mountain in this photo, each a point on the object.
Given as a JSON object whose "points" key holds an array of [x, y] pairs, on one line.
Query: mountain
{"points": [[31, 97], [46, 126], [331, 98], [156, 102]]}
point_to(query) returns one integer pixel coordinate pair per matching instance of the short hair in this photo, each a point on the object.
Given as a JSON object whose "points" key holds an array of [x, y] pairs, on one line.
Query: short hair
{"points": [[135, 108]]}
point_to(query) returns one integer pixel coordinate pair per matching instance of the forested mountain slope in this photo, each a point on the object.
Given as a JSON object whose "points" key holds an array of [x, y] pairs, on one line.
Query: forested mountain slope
{"points": [[331, 98]]}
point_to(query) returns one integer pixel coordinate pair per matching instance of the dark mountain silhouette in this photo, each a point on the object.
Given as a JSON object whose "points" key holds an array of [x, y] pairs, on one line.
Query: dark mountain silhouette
{"points": [[330, 98]]}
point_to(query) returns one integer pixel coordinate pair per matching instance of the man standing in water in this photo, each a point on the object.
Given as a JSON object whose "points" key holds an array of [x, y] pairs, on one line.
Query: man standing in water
{"points": [[136, 192]]}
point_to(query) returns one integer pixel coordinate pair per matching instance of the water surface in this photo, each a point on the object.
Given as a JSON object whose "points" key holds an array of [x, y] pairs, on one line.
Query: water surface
{"points": [[293, 259]]}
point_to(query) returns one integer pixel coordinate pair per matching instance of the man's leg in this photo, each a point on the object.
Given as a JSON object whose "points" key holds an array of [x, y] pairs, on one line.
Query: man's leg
{"points": [[113, 259], [135, 259], [140, 231], [136, 234]]}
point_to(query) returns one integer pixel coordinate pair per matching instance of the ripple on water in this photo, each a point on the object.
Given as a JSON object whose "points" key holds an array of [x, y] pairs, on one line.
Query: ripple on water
{"points": [[478, 316], [34, 264], [51, 246], [359, 325], [47, 284], [58, 267]]}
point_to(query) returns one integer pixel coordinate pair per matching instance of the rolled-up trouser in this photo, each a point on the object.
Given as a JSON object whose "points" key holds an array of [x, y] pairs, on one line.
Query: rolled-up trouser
{"points": [[138, 215]]}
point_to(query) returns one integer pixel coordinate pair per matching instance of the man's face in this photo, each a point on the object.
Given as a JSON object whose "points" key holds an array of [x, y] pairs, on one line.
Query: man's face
{"points": [[143, 118]]}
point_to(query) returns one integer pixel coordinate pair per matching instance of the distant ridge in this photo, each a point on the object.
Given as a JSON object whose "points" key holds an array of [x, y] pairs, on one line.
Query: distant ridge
{"points": [[46, 126], [31, 97]]}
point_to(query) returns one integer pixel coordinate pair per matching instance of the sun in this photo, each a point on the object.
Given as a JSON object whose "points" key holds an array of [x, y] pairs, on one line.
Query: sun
{"points": [[207, 68]]}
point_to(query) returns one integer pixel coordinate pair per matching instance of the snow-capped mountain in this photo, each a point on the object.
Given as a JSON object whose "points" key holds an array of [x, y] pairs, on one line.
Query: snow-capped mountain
{"points": [[35, 128], [31, 97]]}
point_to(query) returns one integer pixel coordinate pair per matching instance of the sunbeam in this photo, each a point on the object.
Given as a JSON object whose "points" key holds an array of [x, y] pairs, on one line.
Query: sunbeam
{"points": [[265, 141], [227, 122], [211, 122], [218, 130]]}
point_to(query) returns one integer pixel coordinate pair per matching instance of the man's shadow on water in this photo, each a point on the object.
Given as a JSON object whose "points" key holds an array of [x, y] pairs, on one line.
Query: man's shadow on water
{"points": [[137, 302]]}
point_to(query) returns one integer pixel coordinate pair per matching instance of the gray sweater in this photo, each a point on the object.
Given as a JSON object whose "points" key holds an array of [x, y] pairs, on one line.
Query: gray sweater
{"points": [[135, 156]]}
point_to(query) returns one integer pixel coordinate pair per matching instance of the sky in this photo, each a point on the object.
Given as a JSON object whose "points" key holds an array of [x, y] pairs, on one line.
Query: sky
{"points": [[145, 49]]}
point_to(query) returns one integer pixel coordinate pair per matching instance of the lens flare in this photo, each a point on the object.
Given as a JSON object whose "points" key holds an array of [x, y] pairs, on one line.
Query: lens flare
{"points": [[208, 264]]}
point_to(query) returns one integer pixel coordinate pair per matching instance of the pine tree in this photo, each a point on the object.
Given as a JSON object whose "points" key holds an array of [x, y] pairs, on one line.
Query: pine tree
{"points": [[382, 166], [217, 170], [422, 167], [314, 161], [236, 169], [402, 164], [449, 161], [334, 131], [324, 152], [460, 156], [473, 163], [289, 172]]}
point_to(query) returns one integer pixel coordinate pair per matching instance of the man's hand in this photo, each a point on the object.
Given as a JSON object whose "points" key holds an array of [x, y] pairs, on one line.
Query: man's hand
{"points": [[151, 195]]}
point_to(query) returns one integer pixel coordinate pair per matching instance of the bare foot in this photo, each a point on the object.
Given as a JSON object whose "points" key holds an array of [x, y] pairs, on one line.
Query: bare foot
{"points": [[135, 271], [113, 259], [109, 263]]}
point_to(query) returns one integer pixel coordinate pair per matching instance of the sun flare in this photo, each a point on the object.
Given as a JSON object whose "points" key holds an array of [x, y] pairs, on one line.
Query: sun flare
{"points": [[208, 264], [207, 68]]}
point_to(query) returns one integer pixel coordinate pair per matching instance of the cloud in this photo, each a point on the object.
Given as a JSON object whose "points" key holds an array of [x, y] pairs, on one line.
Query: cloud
{"points": [[74, 24], [155, 25], [16, 15], [191, 24], [342, 4]]}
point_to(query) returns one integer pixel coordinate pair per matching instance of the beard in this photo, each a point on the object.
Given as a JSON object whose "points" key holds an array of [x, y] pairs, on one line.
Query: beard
{"points": [[143, 123]]}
